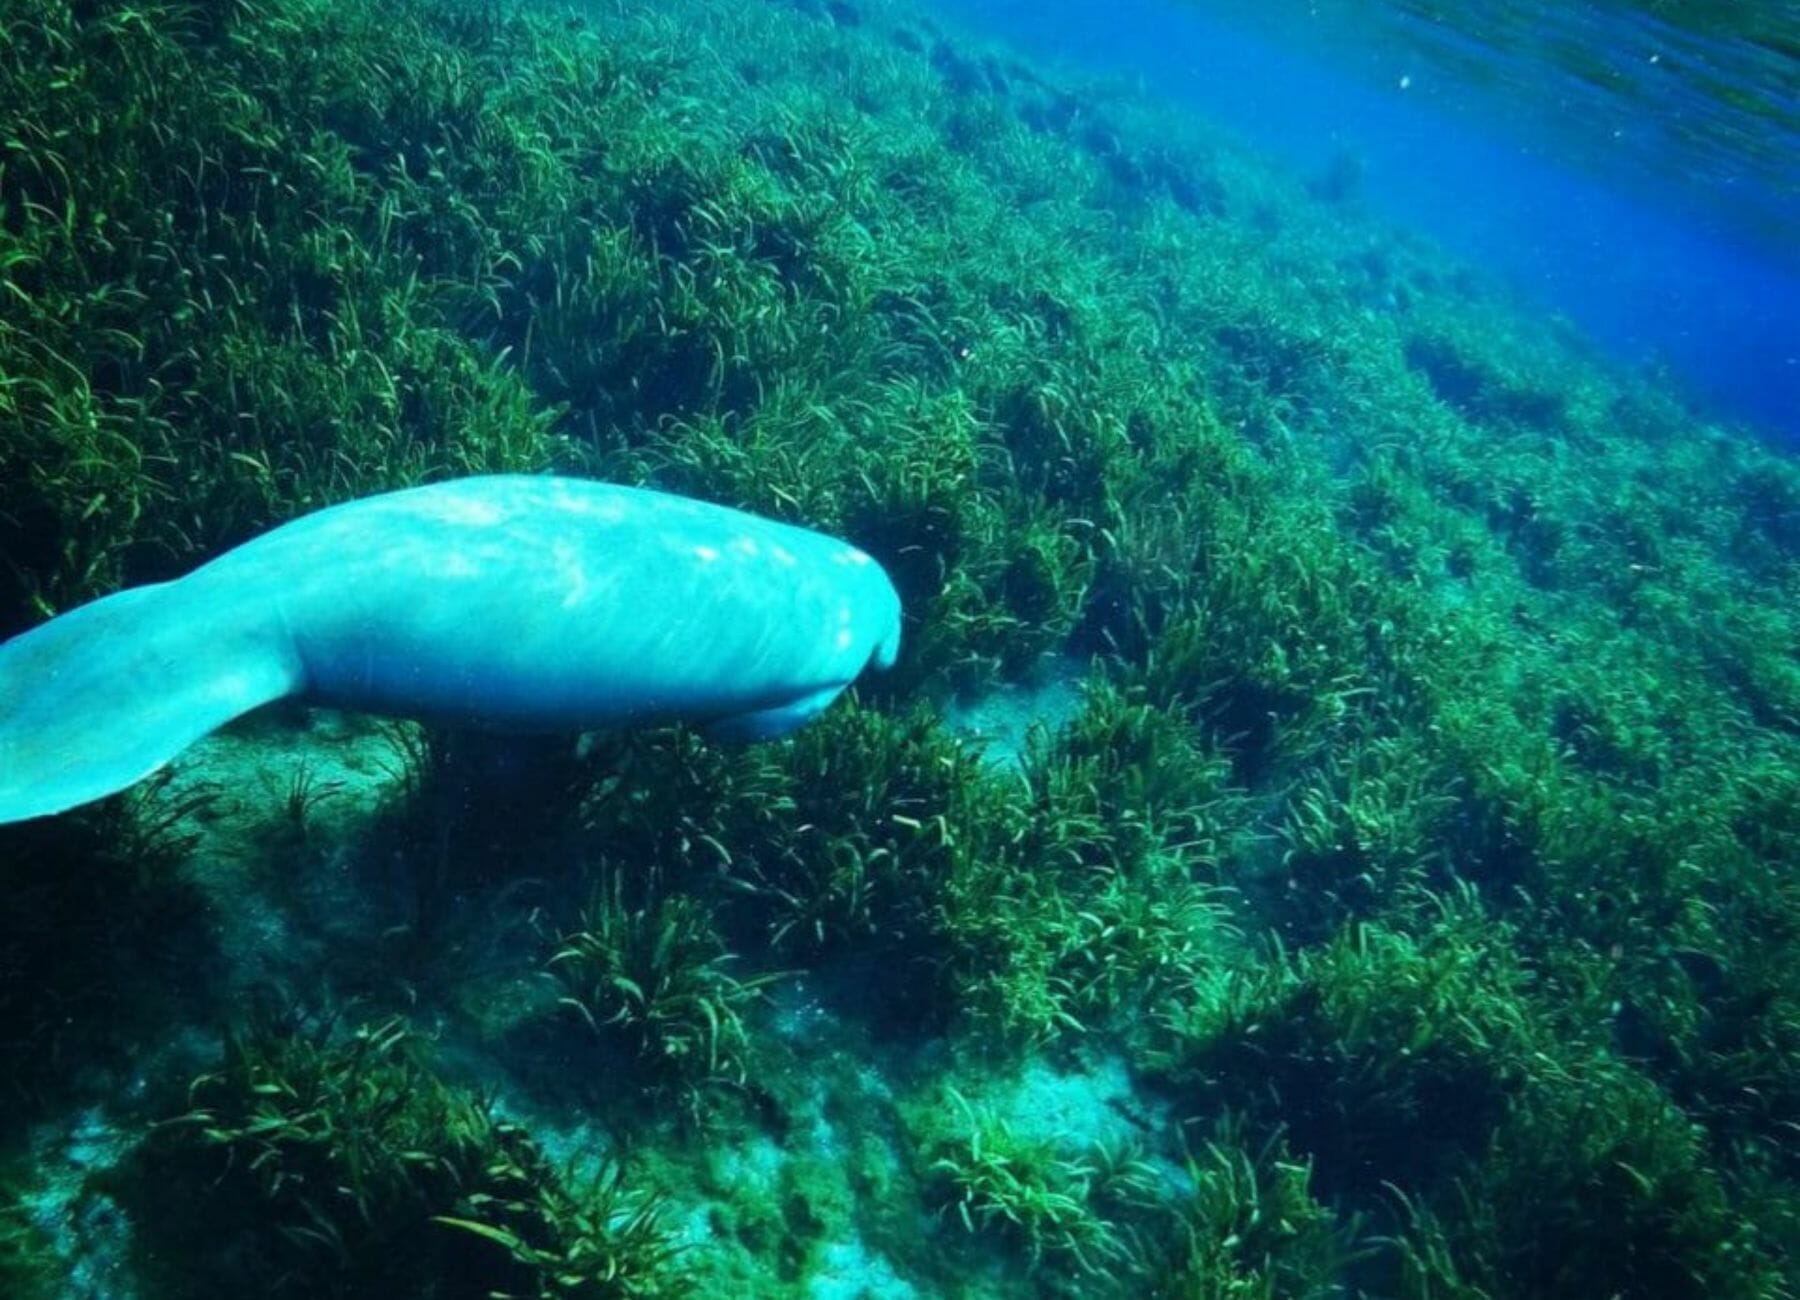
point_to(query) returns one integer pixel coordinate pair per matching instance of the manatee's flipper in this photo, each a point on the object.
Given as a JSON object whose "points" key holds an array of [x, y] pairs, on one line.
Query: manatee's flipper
{"points": [[768, 724], [107, 693]]}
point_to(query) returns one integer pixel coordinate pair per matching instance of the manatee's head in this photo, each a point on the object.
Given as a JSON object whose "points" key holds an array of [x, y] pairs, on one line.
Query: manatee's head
{"points": [[866, 632], [861, 613]]}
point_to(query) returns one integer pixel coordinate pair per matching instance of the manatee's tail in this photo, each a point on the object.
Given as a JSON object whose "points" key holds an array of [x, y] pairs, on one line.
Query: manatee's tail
{"points": [[104, 695]]}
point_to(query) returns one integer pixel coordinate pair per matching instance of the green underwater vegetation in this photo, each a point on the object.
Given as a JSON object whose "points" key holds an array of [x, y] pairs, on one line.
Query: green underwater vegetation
{"points": [[346, 1167], [1401, 908]]}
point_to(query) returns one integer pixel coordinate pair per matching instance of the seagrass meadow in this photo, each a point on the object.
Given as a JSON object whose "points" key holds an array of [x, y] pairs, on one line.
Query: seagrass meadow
{"points": [[1330, 833]]}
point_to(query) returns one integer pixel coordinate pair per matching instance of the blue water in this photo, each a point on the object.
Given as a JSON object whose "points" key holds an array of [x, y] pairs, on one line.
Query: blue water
{"points": [[1657, 259]]}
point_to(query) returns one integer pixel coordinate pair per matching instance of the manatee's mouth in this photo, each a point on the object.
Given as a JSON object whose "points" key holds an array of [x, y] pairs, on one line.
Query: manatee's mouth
{"points": [[888, 651]]}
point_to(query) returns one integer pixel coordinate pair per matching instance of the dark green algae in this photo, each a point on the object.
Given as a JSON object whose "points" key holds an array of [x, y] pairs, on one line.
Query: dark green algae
{"points": [[1401, 908]]}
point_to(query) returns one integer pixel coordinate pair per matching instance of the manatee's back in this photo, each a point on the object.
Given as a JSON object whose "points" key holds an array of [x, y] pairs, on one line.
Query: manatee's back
{"points": [[535, 603], [104, 695]]}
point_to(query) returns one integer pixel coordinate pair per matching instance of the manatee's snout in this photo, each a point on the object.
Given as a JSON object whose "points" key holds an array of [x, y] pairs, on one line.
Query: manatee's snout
{"points": [[887, 650], [887, 653]]}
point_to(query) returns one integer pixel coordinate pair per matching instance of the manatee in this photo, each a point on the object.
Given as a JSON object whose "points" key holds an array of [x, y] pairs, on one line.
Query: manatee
{"points": [[505, 603]]}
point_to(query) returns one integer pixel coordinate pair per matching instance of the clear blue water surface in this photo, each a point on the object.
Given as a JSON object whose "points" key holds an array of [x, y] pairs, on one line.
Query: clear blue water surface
{"points": [[1665, 221]]}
